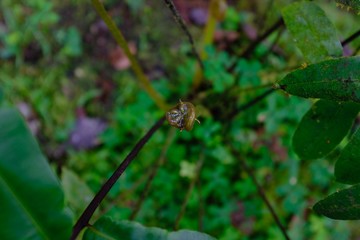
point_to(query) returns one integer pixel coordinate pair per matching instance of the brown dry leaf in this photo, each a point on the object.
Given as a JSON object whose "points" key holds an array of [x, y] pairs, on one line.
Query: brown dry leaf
{"points": [[118, 59]]}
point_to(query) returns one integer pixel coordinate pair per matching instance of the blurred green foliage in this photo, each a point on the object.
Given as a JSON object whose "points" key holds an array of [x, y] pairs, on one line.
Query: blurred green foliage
{"points": [[72, 69], [215, 70]]}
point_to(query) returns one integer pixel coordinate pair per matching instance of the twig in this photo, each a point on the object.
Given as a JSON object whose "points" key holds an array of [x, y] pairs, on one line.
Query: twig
{"points": [[254, 88], [251, 103], [262, 194], [122, 196], [90, 209], [351, 38], [264, 16], [279, 23], [115, 31], [153, 173], [180, 21], [271, 48], [249, 50], [190, 190], [207, 39]]}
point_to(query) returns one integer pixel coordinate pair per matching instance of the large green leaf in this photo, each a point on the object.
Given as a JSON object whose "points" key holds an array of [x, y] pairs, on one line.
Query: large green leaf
{"points": [[31, 200], [342, 205], [107, 228], [336, 79], [312, 31], [347, 168], [323, 127]]}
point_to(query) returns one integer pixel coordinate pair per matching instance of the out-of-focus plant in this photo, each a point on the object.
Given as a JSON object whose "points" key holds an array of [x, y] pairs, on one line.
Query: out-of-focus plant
{"points": [[234, 175]]}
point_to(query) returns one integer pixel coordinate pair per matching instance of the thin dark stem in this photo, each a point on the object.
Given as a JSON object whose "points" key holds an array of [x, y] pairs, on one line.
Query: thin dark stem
{"points": [[89, 211], [153, 173], [120, 197], [121, 41], [180, 21], [351, 38], [251, 103], [271, 48], [190, 190], [254, 88], [262, 37], [262, 194], [250, 49]]}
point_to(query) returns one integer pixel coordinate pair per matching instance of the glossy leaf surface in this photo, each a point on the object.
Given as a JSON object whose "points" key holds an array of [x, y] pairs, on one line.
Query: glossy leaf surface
{"points": [[323, 127], [312, 31], [107, 228], [31, 200], [342, 205], [336, 79], [347, 168]]}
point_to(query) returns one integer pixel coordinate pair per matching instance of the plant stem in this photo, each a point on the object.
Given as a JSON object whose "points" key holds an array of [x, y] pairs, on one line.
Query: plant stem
{"points": [[250, 49], [265, 15], [271, 48], [115, 31], [279, 23], [123, 195], [180, 21], [351, 38], [251, 103], [90, 209], [208, 37], [261, 193], [253, 88], [153, 173]]}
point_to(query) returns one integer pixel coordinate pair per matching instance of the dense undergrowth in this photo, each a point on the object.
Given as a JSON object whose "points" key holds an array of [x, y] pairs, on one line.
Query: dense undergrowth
{"points": [[62, 69]]}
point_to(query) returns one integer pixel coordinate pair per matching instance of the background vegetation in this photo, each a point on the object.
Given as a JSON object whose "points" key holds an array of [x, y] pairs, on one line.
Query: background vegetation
{"points": [[63, 70]]}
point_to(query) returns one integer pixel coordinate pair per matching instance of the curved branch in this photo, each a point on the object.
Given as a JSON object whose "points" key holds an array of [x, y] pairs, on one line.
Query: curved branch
{"points": [[262, 194], [251, 103], [180, 21], [90, 209], [250, 49], [153, 173], [115, 31], [351, 38]]}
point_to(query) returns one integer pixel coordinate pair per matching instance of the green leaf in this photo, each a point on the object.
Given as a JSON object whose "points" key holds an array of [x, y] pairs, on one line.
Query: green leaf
{"points": [[77, 194], [73, 44], [347, 167], [342, 205], [31, 200], [107, 228], [336, 79], [312, 31], [323, 127], [215, 70]]}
